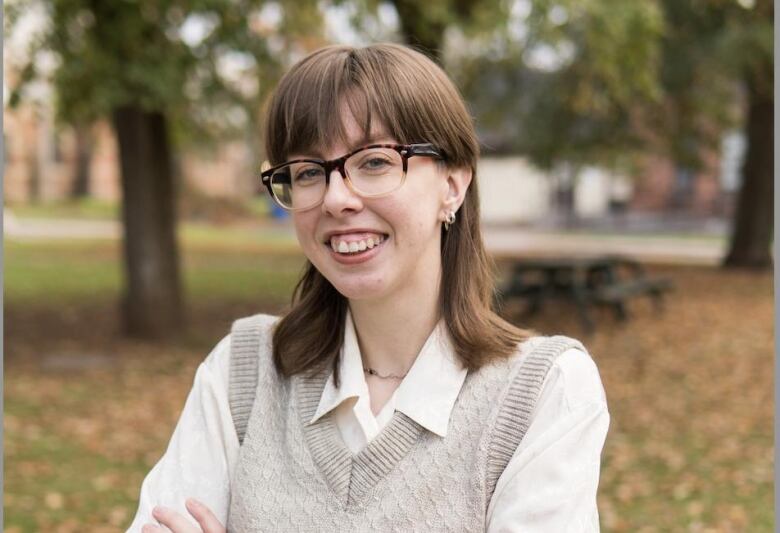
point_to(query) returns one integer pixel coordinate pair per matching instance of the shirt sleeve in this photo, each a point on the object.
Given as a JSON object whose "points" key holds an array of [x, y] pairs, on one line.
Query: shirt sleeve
{"points": [[201, 454], [551, 481]]}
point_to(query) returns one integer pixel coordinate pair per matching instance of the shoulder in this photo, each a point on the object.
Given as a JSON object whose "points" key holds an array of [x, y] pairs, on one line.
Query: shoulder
{"points": [[572, 374], [260, 322], [543, 380], [253, 332], [251, 340]]}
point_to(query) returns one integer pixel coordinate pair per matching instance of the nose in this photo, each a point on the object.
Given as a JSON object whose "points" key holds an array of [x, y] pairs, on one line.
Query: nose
{"points": [[339, 198]]}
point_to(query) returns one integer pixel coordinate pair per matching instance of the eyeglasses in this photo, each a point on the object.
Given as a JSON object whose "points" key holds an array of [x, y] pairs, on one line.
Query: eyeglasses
{"points": [[371, 171]]}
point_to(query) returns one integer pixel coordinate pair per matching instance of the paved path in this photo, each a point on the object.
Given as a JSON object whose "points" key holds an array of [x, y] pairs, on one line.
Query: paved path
{"points": [[503, 242], [515, 242], [44, 228]]}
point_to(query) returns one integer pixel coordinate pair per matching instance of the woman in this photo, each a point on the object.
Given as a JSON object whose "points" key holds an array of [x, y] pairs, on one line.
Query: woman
{"points": [[390, 396]]}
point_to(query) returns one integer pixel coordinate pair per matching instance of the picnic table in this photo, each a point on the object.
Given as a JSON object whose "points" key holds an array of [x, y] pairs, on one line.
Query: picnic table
{"points": [[587, 281]]}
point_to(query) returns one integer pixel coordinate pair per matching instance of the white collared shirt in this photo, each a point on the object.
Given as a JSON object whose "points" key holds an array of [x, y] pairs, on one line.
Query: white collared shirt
{"points": [[435, 378], [549, 484]]}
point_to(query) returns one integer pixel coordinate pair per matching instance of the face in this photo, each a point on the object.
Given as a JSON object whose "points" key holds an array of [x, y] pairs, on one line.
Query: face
{"points": [[403, 227]]}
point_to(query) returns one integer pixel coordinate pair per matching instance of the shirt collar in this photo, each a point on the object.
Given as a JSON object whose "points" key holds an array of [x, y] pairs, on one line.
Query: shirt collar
{"points": [[353, 383], [426, 395]]}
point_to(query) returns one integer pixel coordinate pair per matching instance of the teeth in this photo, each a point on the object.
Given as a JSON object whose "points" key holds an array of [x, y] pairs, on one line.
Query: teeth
{"points": [[344, 247]]}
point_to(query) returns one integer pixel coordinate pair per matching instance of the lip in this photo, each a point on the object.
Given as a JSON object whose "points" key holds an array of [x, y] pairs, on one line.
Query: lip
{"points": [[362, 257], [350, 231]]}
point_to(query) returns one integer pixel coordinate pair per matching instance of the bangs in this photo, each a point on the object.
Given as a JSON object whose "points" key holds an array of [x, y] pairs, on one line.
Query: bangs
{"points": [[306, 114], [316, 129], [385, 92]]}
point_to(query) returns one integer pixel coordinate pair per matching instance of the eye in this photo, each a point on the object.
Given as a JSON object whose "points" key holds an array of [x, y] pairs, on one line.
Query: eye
{"points": [[308, 174], [375, 164]]}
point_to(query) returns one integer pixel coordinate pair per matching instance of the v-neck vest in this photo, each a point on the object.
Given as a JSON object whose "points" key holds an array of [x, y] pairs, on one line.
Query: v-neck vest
{"points": [[295, 476]]}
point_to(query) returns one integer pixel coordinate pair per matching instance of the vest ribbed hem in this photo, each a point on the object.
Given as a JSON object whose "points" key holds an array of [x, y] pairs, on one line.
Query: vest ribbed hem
{"points": [[245, 338], [518, 403]]}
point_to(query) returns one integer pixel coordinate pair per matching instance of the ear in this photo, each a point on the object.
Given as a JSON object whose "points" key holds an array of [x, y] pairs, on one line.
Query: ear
{"points": [[456, 185]]}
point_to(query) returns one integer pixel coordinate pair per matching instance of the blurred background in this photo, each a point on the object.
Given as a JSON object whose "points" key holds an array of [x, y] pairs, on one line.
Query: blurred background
{"points": [[626, 180]]}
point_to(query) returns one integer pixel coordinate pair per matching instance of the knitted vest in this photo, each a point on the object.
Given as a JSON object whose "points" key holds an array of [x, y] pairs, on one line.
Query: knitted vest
{"points": [[294, 476]]}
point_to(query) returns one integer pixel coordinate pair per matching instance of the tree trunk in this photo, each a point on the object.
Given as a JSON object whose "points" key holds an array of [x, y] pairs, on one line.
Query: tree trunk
{"points": [[34, 173], [80, 187], [752, 230], [420, 29], [151, 303]]}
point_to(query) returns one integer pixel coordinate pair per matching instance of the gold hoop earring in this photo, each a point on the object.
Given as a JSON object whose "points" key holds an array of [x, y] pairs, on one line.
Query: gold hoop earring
{"points": [[450, 220]]}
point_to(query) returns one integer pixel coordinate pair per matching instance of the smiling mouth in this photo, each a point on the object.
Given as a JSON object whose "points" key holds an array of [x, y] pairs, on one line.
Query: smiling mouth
{"points": [[355, 247]]}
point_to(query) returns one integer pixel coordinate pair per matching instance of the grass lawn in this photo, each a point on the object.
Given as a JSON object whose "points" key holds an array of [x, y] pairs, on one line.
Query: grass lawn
{"points": [[87, 412], [86, 208], [96, 209]]}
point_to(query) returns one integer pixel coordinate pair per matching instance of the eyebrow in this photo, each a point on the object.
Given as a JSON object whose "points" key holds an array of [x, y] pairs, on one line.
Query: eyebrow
{"points": [[372, 139]]}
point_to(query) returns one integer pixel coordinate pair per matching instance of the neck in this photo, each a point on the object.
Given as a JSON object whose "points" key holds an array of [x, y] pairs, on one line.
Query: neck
{"points": [[391, 332]]}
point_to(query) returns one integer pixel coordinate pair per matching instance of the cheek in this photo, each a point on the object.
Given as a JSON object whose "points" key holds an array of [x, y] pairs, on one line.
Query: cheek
{"points": [[305, 225], [416, 227]]}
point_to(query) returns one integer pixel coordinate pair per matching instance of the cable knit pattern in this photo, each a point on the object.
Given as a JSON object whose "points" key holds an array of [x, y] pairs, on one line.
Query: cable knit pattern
{"points": [[296, 476]]}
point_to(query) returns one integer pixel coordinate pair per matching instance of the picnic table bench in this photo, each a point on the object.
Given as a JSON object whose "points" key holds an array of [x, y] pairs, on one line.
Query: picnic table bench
{"points": [[603, 280]]}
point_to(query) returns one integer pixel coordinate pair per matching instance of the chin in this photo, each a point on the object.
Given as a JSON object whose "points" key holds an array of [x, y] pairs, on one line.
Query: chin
{"points": [[359, 288]]}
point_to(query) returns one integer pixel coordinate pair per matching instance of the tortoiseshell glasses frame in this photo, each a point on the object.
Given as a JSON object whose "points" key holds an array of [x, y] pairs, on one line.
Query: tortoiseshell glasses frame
{"points": [[278, 180]]}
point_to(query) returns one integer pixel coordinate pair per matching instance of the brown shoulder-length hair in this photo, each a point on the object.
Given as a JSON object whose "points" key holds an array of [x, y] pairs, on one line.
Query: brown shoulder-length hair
{"points": [[414, 101]]}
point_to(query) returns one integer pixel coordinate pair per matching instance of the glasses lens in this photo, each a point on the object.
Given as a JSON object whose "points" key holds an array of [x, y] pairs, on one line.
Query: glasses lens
{"points": [[375, 171], [298, 185]]}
